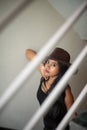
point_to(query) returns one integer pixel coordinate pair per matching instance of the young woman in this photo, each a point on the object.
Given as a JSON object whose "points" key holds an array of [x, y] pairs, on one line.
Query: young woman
{"points": [[52, 70]]}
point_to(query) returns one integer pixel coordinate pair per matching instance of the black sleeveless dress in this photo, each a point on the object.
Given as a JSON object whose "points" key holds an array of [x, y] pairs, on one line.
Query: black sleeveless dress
{"points": [[56, 112]]}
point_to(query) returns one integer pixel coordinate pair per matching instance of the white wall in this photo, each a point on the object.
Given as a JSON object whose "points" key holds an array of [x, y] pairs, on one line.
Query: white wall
{"points": [[31, 29], [66, 8]]}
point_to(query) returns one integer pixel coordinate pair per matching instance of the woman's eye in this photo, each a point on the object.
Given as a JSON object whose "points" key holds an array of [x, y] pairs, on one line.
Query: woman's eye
{"points": [[47, 62], [53, 65]]}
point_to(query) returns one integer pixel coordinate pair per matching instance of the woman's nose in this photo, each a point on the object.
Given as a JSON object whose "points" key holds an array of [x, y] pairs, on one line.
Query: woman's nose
{"points": [[48, 65]]}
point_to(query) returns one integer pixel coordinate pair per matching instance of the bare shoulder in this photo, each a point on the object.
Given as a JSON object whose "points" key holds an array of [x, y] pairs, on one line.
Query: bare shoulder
{"points": [[68, 92], [69, 99], [68, 89]]}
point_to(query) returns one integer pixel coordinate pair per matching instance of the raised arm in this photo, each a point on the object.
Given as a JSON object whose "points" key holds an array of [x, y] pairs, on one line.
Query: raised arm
{"points": [[30, 54]]}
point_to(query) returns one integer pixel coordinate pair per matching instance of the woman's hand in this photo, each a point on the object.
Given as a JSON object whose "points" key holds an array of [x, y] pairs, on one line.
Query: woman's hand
{"points": [[42, 71], [30, 54]]}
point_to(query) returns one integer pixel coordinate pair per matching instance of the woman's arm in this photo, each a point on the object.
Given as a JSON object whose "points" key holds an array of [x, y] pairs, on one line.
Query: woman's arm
{"points": [[30, 54], [69, 99]]}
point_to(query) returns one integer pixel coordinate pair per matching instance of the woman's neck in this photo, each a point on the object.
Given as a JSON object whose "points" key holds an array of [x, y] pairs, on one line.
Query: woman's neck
{"points": [[46, 85], [50, 81]]}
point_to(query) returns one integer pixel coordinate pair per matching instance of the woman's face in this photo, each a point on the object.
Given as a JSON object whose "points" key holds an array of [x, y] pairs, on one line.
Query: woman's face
{"points": [[51, 68]]}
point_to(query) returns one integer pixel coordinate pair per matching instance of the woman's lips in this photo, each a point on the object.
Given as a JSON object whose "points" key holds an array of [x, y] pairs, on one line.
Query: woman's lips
{"points": [[47, 71]]}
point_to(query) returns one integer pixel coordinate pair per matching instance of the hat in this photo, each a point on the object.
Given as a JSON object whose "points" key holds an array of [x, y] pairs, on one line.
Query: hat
{"points": [[60, 54]]}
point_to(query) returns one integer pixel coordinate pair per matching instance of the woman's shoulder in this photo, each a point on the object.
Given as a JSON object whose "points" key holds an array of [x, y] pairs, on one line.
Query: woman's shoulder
{"points": [[68, 87]]}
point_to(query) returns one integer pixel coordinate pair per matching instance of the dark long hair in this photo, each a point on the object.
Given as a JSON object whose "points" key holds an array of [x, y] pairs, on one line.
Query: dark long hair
{"points": [[62, 69]]}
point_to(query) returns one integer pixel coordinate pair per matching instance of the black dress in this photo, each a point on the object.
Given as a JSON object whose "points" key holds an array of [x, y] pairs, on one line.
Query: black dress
{"points": [[56, 112]]}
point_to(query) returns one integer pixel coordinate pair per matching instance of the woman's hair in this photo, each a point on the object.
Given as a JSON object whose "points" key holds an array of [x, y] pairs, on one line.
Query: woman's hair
{"points": [[62, 69]]}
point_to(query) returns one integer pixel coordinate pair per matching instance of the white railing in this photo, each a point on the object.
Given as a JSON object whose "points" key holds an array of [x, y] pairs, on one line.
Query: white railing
{"points": [[26, 72]]}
